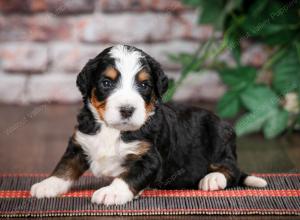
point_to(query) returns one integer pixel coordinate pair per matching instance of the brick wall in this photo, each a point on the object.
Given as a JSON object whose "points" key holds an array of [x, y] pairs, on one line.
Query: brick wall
{"points": [[45, 43]]}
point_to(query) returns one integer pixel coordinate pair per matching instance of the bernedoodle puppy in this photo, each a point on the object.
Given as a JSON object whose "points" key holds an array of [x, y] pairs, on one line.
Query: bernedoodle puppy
{"points": [[124, 131]]}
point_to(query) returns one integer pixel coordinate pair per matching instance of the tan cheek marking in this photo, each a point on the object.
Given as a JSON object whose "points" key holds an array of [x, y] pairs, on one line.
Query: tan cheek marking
{"points": [[99, 106], [111, 73], [143, 147], [142, 76], [150, 106]]}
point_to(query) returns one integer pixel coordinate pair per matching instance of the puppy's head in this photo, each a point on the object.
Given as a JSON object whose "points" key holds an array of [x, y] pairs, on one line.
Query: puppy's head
{"points": [[122, 86]]}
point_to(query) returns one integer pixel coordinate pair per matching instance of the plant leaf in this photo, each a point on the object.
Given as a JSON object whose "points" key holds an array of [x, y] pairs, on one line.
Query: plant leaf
{"points": [[215, 12], [252, 122], [287, 73], [195, 3], [183, 58], [168, 95], [238, 78], [209, 10], [229, 105], [259, 97], [257, 7], [234, 44], [276, 124]]}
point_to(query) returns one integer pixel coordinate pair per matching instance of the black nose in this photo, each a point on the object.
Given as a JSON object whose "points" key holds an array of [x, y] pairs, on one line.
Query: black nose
{"points": [[126, 111]]}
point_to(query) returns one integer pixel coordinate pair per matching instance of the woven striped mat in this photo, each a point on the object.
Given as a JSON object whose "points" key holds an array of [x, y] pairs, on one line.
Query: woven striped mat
{"points": [[281, 197]]}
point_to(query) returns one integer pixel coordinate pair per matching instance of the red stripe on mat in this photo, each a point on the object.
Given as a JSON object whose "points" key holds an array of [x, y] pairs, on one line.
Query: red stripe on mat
{"points": [[172, 193], [89, 174], [34, 174], [235, 210]]}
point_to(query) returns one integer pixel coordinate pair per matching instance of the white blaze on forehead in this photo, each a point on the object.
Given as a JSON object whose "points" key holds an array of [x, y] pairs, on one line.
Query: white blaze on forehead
{"points": [[126, 61]]}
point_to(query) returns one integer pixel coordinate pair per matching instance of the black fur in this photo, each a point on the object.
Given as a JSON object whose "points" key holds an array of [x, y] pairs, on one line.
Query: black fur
{"points": [[86, 122], [73, 163], [142, 171], [186, 142]]}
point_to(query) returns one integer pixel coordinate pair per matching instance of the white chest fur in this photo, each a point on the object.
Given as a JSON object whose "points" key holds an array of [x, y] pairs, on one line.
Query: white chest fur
{"points": [[106, 151]]}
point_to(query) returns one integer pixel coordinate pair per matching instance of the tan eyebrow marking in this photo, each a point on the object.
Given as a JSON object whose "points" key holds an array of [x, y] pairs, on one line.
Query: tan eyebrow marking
{"points": [[143, 75], [111, 73]]}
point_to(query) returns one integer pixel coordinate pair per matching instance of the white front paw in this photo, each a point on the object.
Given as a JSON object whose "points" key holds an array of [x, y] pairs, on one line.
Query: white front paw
{"points": [[116, 193], [213, 181], [50, 187]]}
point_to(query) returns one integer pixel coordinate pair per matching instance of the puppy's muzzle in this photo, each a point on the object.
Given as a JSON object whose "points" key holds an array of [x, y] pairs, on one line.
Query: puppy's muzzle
{"points": [[126, 111]]}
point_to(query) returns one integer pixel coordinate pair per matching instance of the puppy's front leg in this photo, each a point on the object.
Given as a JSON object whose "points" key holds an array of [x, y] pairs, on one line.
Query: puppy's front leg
{"points": [[140, 173], [71, 166]]}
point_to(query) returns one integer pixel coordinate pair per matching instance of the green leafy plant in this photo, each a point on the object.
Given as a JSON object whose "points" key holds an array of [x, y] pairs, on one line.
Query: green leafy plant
{"points": [[271, 106]]}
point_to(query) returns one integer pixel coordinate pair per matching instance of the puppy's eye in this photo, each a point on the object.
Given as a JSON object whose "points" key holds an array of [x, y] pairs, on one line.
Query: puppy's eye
{"points": [[144, 85], [106, 83]]}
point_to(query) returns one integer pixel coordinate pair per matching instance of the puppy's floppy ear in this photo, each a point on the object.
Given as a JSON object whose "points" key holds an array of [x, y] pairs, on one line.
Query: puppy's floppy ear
{"points": [[85, 78], [83, 81], [159, 77]]}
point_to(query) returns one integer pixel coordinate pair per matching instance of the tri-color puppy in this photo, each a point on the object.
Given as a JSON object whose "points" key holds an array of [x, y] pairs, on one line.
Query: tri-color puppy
{"points": [[124, 131]]}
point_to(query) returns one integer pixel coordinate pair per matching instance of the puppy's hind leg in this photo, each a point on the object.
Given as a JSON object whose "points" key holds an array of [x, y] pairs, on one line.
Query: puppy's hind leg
{"points": [[221, 177], [213, 181], [223, 172], [254, 181]]}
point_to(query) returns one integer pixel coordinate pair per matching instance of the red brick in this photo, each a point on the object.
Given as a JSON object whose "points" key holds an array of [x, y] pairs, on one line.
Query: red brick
{"points": [[123, 5], [160, 51], [52, 87], [172, 75], [201, 87], [185, 26], [167, 5], [43, 27], [22, 6], [255, 55], [24, 57], [67, 7], [125, 28], [12, 88], [226, 57], [160, 27], [116, 6], [71, 57]]}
